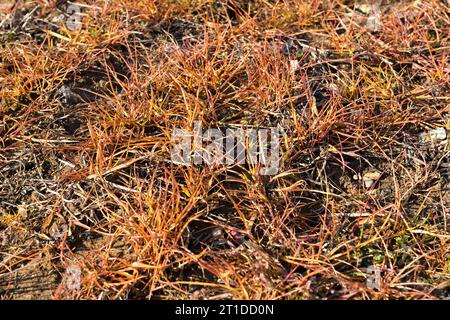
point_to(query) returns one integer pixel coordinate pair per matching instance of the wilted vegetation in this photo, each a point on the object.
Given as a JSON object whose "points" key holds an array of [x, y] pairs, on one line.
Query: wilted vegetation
{"points": [[86, 116]]}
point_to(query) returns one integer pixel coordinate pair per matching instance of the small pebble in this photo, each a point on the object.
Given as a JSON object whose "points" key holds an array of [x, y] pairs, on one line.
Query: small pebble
{"points": [[67, 96], [370, 178], [435, 136]]}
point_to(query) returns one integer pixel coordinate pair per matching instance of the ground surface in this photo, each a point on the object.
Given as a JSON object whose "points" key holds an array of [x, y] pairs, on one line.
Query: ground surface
{"points": [[86, 116]]}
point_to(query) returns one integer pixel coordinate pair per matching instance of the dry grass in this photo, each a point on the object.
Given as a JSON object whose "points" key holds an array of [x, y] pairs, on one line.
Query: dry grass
{"points": [[85, 181]]}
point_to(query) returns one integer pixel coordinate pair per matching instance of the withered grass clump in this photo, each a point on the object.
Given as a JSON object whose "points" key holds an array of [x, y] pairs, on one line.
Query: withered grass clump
{"points": [[86, 118]]}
